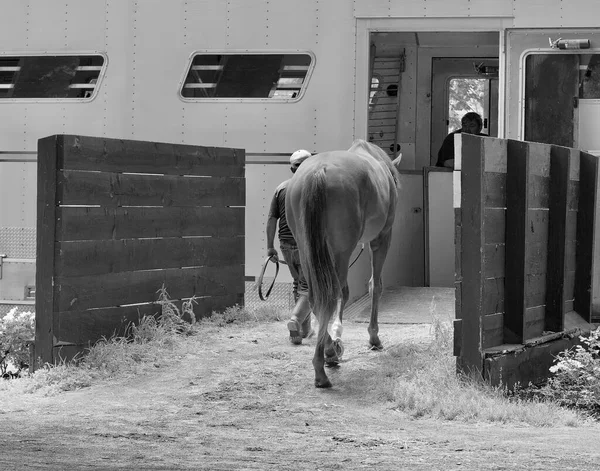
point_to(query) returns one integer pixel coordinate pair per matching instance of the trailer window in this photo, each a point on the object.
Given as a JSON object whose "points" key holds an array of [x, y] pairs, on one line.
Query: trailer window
{"points": [[271, 77], [49, 77]]}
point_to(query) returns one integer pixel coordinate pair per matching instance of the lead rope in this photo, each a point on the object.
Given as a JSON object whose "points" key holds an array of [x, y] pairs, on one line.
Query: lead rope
{"points": [[265, 296], [357, 257]]}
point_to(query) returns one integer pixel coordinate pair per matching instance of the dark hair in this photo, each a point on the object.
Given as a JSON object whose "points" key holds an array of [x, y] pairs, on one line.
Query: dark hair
{"points": [[472, 116]]}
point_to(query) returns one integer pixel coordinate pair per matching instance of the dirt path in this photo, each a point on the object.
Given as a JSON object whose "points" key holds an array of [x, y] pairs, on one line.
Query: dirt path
{"points": [[242, 398]]}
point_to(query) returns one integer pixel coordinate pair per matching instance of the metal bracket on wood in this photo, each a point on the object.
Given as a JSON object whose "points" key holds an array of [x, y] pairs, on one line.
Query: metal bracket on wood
{"points": [[2, 257]]}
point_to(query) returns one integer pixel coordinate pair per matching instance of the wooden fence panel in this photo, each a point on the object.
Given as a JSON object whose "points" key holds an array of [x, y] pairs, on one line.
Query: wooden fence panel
{"points": [[532, 209], [119, 219]]}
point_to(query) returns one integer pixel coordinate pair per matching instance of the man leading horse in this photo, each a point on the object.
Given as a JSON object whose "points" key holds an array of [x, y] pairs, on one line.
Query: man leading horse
{"points": [[299, 324]]}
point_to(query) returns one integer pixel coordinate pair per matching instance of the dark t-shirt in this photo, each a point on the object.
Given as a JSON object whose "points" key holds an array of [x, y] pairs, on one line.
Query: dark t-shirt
{"points": [[277, 210]]}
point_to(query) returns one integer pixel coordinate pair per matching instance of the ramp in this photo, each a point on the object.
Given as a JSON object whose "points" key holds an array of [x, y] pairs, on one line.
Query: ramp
{"points": [[406, 305]]}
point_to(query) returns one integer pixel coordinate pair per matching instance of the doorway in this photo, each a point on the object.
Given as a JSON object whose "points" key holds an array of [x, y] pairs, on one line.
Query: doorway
{"points": [[459, 86]]}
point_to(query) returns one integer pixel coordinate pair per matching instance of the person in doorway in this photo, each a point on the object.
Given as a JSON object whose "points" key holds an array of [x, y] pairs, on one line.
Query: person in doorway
{"points": [[299, 324], [471, 123]]}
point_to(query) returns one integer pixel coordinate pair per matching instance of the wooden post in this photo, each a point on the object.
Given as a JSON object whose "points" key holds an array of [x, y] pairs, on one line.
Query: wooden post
{"points": [[560, 175], [48, 150], [471, 254], [517, 177], [588, 188]]}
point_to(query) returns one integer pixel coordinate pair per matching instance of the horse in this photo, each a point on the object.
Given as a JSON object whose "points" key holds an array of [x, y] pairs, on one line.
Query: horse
{"points": [[335, 201]]}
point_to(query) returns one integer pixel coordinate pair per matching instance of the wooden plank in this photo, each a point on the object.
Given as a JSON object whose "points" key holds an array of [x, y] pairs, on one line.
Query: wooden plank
{"points": [[495, 225], [493, 260], [112, 189], [117, 289], [116, 155], [87, 327], [560, 171], [493, 296], [525, 365], [457, 339], [457, 243], [495, 155], [516, 221], [536, 249], [97, 257], [534, 319], [48, 148], [586, 225], [539, 191], [495, 190], [535, 290], [128, 223], [471, 253], [573, 195], [493, 330]]}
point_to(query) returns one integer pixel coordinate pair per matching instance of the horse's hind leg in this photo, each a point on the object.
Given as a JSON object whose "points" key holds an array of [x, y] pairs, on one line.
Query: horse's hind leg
{"points": [[379, 249], [321, 380], [335, 349]]}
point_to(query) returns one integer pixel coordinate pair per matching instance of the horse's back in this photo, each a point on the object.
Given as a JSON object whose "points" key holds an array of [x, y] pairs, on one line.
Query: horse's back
{"points": [[360, 194]]}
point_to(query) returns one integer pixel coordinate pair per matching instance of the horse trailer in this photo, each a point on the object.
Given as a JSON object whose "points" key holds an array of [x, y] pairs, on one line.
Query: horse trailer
{"points": [[273, 77]]}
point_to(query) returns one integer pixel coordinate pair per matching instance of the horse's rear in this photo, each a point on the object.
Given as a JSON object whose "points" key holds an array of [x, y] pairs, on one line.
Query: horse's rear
{"points": [[335, 201]]}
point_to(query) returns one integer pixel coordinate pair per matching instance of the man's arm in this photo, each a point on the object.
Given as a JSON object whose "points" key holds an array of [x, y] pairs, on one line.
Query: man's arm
{"points": [[271, 229]]}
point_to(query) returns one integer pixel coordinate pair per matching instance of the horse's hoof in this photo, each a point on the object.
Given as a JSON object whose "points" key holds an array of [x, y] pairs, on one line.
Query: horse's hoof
{"points": [[338, 346], [324, 384], [295, 332], [376, 348]]}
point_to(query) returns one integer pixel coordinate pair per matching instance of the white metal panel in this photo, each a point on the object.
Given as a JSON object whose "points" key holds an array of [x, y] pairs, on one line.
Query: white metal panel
{"points": [[156, 68], [42, 120], [408, 8], [589, 122], [46, 25], [404, 265], [491, 8], [13, 34], [18, 193], [204, 124], [116, 88], [440, 233], [245, 126], [580, 13], [12, 132], [261, 182], [335, 64], [445, 8], [247, 26], [204, 25], [84, 118], [85, 25], [537, 13], [371, 8], [292, 27], [289, 127]]}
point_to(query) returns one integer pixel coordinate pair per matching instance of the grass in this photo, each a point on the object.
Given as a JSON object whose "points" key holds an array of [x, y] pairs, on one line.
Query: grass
{"points": [[418, 379]]}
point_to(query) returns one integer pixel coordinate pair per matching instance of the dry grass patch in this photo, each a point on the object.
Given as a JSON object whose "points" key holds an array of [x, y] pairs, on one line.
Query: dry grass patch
{"points": [[421, 380]]}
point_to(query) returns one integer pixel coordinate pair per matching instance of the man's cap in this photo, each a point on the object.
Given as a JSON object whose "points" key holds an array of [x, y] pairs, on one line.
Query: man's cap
{"points": [[299, 156]]}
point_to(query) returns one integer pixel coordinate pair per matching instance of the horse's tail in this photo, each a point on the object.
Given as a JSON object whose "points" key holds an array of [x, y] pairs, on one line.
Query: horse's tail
{"points": [[318, 260]]}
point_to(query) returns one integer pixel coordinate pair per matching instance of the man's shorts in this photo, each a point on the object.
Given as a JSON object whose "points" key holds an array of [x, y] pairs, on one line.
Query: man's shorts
{"points": [[291, 256]]}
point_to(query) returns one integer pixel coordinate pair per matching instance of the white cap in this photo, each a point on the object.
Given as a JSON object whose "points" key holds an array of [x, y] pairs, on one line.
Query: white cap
{"points": [[299, 156]]}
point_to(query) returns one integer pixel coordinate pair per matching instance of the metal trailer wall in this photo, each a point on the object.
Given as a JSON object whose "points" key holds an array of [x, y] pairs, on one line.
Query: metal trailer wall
{"points": [[148, 43]]}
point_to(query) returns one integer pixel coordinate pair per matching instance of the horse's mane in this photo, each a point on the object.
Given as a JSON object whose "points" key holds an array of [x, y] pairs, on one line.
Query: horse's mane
{"points": [[375, 151]]}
